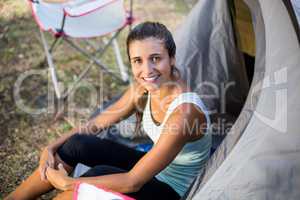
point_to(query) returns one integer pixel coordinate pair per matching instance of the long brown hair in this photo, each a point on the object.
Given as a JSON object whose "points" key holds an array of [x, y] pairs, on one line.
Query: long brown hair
{"points": [[159, 31]]}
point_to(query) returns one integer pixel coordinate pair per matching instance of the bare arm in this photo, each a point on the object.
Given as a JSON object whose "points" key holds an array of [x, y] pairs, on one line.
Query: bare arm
{"points": [[175, 135], [121, 109], [124, 107]]}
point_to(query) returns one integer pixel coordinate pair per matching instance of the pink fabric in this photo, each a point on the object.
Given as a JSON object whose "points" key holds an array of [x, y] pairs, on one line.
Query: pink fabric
{"points": [[77, 186]]}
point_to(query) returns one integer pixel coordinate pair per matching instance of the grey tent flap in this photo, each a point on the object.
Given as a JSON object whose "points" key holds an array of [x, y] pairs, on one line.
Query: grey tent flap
{"points": [[260, 157], [209, 60]]}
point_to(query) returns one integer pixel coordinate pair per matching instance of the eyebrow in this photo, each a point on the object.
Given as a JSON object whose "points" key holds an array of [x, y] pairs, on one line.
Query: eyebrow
{"points": [[151, 55], [134, 58], [155, 54]]}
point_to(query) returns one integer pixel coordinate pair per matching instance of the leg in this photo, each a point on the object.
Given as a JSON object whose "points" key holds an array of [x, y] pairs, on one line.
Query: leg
{"points": [[155, 189], [101, 170], [67, 195], [89, 150], [33, 186], [93, 151], [113, 158]]}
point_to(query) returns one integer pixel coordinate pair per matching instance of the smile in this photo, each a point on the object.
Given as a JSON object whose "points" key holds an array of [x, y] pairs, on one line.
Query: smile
{"points": [[151, 79]]}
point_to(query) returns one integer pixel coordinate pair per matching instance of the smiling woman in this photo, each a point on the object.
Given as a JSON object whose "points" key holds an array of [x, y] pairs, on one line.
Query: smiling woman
{"points": [[150, 63], [174, 118]]}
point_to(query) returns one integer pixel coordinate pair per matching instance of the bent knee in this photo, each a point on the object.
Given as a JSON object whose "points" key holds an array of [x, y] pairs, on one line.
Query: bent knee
{"points": [[70, 152], [77, 143]]}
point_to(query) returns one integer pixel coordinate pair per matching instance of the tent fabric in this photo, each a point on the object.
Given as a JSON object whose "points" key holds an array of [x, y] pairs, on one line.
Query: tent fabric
{"points": [[209, 60], [241, 123], [260, 157]]}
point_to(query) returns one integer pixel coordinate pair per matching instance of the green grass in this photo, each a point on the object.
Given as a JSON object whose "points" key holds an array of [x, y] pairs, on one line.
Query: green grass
{"points": [[13, 9], [179, 6]]}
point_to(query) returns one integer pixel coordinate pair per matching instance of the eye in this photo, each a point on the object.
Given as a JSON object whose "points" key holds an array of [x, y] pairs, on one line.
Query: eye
{"points": [[155, 59], [136, 61]]}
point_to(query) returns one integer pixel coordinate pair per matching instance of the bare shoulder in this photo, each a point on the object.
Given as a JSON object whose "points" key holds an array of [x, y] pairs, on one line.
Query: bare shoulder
{"points": [[189, 120]]}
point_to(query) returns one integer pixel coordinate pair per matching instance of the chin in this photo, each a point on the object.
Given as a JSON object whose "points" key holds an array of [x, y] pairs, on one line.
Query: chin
{"points": [[151, 87]]}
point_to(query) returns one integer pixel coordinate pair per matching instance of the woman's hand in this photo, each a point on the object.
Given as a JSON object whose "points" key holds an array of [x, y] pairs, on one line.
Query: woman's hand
{"points": [[47, 160], [59, 178]]}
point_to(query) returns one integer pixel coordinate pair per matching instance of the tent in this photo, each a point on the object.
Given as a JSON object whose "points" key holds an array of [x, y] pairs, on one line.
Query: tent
{"points": [[260, 155]]}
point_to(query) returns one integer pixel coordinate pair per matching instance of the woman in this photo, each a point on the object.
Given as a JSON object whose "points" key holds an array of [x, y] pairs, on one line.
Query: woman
{"points": [[172, 116]]}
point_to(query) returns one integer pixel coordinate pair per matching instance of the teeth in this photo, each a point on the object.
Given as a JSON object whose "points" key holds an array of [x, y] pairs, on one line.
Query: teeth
{"points": [[150, 78]]}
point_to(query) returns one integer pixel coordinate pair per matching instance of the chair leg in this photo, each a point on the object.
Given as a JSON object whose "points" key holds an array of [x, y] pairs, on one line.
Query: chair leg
{"points": [[51, 66], [119, 59], [95, 60]]}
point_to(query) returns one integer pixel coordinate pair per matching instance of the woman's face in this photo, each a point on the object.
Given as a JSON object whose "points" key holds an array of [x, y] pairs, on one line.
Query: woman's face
{"points": [[151, 63]]}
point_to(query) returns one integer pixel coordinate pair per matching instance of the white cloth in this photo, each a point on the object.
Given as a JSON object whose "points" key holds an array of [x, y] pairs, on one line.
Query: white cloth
{"points": [[86, 191], [83, 19]]}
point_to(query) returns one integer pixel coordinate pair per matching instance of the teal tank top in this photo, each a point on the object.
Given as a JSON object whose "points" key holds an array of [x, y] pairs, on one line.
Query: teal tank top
{"points": [[190, 161]]}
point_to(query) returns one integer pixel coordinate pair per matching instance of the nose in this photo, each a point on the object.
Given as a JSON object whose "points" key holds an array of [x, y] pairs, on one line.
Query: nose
{"points": [[148, 68]]}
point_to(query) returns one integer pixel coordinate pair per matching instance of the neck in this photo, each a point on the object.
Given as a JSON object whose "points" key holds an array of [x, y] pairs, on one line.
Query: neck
{"points": [[167, 90], [162, 92]]}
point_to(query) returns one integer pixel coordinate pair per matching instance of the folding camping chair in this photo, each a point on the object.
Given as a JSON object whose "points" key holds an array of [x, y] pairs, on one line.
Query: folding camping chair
{"points": [[84, 19]]}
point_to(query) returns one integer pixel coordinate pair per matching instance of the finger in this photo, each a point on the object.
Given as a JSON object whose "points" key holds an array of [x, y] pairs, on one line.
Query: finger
{"points": [[43, 168], [49, 173], [43, 173], [61, 168], [49, 177], [51, 160]]}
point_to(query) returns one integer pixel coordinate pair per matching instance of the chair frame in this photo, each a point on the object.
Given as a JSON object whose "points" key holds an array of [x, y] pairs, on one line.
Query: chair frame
{"points": [[49, 48]]}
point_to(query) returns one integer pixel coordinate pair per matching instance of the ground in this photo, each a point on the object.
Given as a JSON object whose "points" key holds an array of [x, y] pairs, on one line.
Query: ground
{"points": [[22, 135]]}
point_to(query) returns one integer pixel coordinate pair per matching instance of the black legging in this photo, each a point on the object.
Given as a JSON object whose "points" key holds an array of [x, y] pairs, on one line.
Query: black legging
{"points": [[107, 157]]}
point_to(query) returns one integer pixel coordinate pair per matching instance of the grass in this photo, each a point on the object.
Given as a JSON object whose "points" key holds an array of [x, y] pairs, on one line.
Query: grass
{"points": [[22, 135]]}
